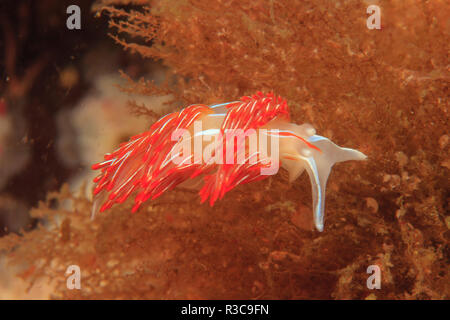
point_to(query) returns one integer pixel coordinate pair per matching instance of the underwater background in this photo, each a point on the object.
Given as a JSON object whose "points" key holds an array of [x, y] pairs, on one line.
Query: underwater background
{"points": [[67, 97]]}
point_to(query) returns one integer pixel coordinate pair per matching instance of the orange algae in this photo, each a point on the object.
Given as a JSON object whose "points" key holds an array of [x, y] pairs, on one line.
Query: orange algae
{"points": [[382, 91]]}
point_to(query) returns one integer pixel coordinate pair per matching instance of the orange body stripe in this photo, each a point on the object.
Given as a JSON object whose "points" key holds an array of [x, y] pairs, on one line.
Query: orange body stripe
{"points": [[287, 134]]}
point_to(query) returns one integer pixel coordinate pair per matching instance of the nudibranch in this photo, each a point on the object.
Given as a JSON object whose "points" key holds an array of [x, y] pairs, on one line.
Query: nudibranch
{"points": [[194, 148]]}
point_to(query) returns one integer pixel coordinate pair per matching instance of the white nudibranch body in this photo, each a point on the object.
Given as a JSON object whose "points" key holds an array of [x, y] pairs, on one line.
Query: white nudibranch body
{"points": [[154, 161], [294, 154]]}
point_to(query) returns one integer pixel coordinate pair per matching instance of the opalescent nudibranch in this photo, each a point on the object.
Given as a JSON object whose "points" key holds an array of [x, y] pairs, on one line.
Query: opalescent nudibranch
{"points": [[189, 149]]}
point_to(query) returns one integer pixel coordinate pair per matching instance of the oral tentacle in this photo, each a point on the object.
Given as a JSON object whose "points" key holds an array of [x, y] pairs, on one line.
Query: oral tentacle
{"points": [[318, 166], [318, 181]]}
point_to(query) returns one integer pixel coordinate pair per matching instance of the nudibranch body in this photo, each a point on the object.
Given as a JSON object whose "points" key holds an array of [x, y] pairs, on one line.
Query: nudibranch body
{"points": [[214, 149]]}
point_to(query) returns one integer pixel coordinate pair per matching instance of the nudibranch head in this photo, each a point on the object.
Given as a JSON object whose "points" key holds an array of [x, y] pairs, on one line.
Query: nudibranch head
{"points": [[162, 158], [317, 161]]}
